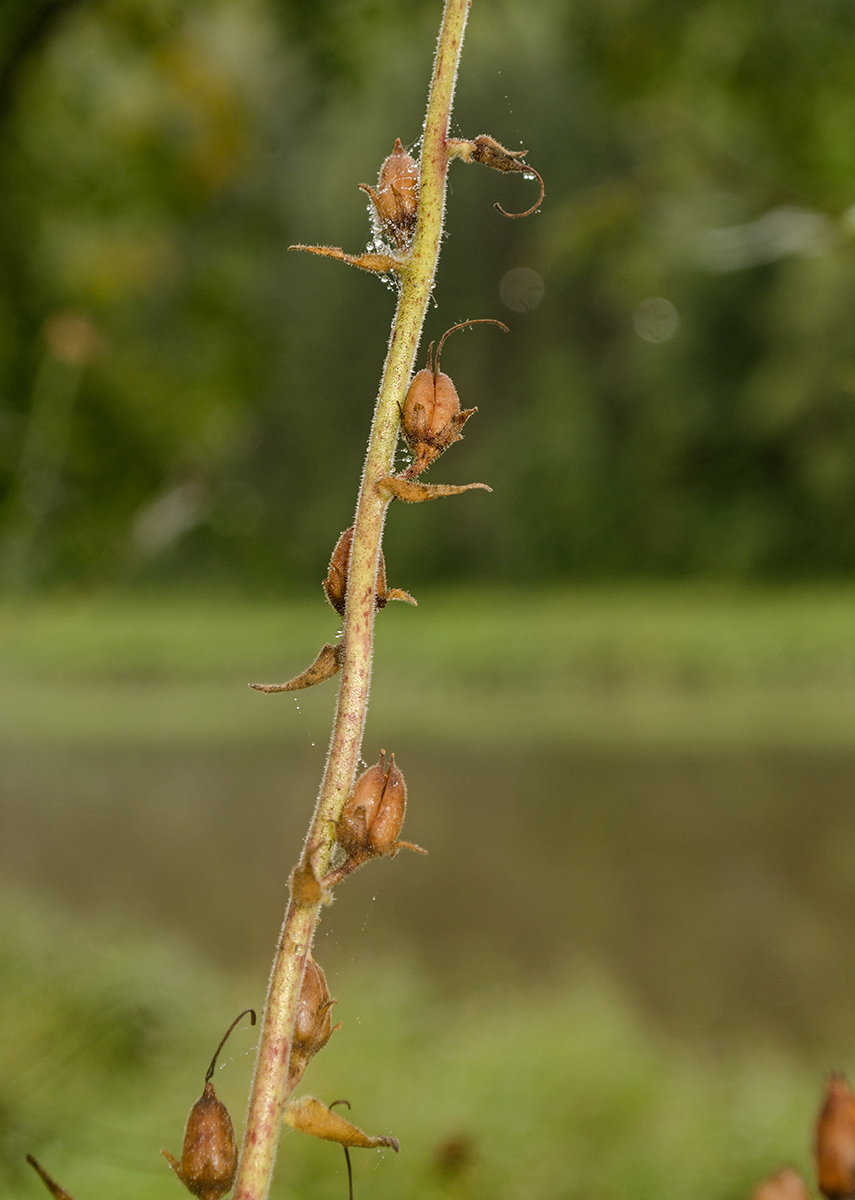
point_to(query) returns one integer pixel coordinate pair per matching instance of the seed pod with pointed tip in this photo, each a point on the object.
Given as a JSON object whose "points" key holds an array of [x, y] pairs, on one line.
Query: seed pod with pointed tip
{"points": [[313, 1025], [396, 199], [374, 811], [335, 584], [372, 818], [835, 1141], [209, 1155], [431, 419]]}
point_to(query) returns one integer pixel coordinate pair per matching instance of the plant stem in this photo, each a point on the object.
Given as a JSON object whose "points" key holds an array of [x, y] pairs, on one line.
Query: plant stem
{"points": [[264, 1116]]}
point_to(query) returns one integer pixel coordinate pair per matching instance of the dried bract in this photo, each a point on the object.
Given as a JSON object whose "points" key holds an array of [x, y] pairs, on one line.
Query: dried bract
{"points": [[335, 584], [378, 264], [52, 1186], [396, 199], [431, 419], [835, 1141], [310, 1115], [209, 1154], [327, 664], [411, 491]]}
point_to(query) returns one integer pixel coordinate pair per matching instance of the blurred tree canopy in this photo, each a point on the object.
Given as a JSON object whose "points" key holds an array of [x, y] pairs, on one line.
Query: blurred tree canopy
{"points": [[178, 395]]}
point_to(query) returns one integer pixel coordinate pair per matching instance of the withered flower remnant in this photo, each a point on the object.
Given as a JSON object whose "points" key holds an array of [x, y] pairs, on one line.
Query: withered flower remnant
{"points": [[835, 1141], [489, 153], [396, 199], [431, 419], [313, 1025], [209, 1154], [335, 584]]}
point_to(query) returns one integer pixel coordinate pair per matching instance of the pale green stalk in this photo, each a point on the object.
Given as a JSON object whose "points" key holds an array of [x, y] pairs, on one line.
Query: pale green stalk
{"points": [[267, 1097]]}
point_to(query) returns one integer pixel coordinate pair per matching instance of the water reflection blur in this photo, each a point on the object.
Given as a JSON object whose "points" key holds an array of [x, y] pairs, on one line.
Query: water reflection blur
{"points": [[717, 888]]}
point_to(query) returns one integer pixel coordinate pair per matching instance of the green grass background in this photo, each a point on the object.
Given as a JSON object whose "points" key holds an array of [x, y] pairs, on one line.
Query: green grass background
{"points": [[557, 1089]]}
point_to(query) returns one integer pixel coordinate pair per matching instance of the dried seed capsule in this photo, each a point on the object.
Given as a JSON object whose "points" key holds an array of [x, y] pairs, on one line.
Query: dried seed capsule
{"points": [[374, 812], [396, 200], [372, 818], [313, 1025], [431, 419], [335, 584], [835, 1141], [209, 1155]]}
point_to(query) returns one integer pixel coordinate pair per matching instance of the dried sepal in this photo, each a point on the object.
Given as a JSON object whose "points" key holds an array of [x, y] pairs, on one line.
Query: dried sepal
{"points": [[431, 417], [396, 198], [413, 492], [489, 153], [209, 1154], [324, 667], [372, 818], [335, 584], [835, 1141], [310, 1115], [52, 1186], [786, 1184], [313, 1025], [378, 264]]}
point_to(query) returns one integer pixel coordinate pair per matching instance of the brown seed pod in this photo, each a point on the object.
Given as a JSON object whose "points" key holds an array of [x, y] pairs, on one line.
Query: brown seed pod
{"points": [[335, 584], [835, 1141], [313, 1025], [372, 818], [431, 419], [396, 200], [374, 811], [209, 1155]]}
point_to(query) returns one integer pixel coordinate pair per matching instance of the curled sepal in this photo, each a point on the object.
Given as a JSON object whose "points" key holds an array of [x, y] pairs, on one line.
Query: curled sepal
{"points": [[324, 667], [413, 492], [52, 1186], [379, 264], [490, 153], [310, 1115]]}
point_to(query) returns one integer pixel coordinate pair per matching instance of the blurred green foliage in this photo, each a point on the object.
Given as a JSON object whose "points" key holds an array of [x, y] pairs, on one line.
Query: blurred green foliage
{"points": [[178, 395], [113, 1037]]}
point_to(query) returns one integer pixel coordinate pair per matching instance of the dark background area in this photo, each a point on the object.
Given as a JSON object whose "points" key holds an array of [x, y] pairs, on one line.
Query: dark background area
{"points": [[180, 397]]}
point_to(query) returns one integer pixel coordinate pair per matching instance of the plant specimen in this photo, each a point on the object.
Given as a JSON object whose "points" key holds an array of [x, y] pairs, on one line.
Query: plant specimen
{"points": [[356, 820]]}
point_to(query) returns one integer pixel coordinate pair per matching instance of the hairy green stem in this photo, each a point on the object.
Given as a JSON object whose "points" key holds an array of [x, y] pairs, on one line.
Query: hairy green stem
{"points": [[264, 1116]]}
